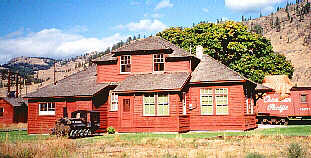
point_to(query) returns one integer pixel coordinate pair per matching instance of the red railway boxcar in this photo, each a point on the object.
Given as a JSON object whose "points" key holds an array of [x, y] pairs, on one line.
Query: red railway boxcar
{"points": [[276, 107]]}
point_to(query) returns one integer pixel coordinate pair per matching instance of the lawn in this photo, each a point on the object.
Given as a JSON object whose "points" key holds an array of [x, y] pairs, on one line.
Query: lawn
{"points": [[272, 142]]}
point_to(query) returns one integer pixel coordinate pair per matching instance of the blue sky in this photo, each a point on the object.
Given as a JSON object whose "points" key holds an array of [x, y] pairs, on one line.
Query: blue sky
{"points": [[64, 28]]}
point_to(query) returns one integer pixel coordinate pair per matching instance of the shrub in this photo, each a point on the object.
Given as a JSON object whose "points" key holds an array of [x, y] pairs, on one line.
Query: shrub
{"points": [[295, 150], [254, 155], [111, 130]]}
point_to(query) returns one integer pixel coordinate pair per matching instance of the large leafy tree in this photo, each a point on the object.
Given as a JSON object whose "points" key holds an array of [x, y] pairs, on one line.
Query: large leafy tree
{"points": [[231, 43]]}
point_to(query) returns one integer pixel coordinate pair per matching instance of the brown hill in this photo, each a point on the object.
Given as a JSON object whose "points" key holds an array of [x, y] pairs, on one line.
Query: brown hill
{"points": [[289, 30]]}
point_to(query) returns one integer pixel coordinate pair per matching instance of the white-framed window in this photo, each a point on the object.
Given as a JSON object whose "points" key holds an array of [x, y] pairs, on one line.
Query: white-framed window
{"points": [[156, 104], [184, 106], [114, 102], [158, 62], [47, 108], [1, 111], [149, 104], [249, 106], [206, 95], [125, 64], [221, 99], [163, 104]]}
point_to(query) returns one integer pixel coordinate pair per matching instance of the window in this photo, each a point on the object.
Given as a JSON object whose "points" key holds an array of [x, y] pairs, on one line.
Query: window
{"points": [[149, 104], [158, 62], [126, 105], [156, 102], [163, 107], [114, 102], [1, 111], [184, 107], [206, 101], [221, 98], [249, 106], [125, 64], [303, 98], [47, 109]]}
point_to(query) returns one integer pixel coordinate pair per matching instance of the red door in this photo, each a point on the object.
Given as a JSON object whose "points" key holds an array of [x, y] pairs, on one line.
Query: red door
{"points": [[126, 112]]}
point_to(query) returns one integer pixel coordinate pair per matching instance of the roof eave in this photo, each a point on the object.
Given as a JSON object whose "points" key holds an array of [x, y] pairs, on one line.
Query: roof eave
{"points": [[219, 81], [149, 91]]}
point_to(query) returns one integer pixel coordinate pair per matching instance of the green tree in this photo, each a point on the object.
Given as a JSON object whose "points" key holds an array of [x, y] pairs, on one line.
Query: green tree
{"points": [[231, 43]]}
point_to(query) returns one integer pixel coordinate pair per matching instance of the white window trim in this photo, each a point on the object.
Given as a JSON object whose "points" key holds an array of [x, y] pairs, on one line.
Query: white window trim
{"points": [[144, 114], [184, 112], [121, 64], [154, 63], [226, 102], [48, 112], [168, 104], [212, 102], [112, 97]]}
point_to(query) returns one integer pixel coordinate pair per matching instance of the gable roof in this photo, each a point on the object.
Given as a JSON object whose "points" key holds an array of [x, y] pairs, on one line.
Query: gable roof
{"points": [[80, 84], [170, 81], [147, 44], [210, 70], [15, 102]]}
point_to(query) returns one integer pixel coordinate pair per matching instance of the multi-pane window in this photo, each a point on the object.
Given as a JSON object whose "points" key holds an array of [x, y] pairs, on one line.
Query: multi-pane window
{"points": [[149, 104], [156, 104], [1, 111], [163, 107], [303, 98], [126, 105], [221, 98], [206, 101], [125, 63], [158, 62], [47, 109], [114, 102]]}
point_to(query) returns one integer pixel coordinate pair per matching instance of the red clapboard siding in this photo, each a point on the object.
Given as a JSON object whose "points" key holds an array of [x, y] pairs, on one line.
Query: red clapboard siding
{"points": [[235, 120], [41, 124], [8, 115], [139, 123], [139, 64]]}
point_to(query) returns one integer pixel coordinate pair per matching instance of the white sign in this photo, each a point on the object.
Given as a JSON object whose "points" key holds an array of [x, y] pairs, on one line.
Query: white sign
{"points": [[280, 108], [304, 109], [268, 99]]}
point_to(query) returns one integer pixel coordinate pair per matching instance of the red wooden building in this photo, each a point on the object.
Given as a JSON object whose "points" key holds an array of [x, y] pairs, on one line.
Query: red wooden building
{"points": [[151, 85], [12, 110]]}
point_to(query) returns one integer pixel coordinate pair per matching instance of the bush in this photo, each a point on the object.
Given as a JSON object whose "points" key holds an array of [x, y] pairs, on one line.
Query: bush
{"points": [[295, 150], [254, 155], [111, 130]]}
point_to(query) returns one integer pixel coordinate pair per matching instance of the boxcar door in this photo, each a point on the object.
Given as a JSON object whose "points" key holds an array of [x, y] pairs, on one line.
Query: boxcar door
{"points": [[126, 112]]}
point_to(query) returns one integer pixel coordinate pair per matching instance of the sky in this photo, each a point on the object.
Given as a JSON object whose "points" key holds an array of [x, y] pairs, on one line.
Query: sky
{"points": [[66, 28]]}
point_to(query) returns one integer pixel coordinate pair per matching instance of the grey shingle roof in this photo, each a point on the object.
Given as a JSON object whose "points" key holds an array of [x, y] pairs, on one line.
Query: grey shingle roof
{"points": [[15, 101], [210, 70], [80, 84], [106, 57], [150, 82]]}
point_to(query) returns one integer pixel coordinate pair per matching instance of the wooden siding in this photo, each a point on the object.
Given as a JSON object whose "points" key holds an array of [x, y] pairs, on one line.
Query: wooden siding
{"points": [[42, 123], [139, 123], [139, 64], [8, 115], [235, 120]]}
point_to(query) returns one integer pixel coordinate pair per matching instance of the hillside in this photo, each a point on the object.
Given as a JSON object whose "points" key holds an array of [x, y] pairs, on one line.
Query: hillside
{"points": [[289, 30]]}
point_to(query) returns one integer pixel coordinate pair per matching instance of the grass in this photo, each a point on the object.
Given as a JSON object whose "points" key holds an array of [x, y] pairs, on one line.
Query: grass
{"points": [[266, 142]]}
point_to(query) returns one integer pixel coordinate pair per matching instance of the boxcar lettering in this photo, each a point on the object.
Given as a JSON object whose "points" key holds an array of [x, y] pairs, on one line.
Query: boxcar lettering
{"points": [[280, 108], [268, 99]]}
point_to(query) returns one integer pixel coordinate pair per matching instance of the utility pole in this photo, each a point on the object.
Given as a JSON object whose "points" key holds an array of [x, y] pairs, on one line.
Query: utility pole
{"points": [[9, 81], [54, 74], [16, 85]]}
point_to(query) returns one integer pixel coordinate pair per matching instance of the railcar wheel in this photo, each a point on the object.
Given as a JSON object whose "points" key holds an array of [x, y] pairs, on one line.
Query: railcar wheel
{"points": [[71, 134]]}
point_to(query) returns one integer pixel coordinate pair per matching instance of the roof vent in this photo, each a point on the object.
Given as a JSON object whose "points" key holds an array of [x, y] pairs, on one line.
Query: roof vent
{"points": [[199, 52]]}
